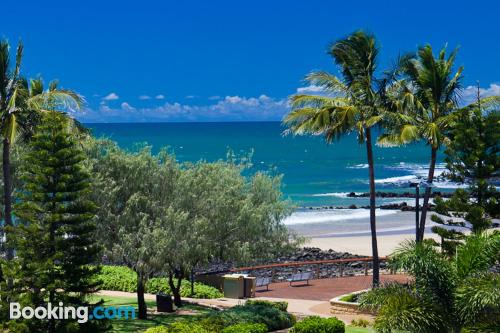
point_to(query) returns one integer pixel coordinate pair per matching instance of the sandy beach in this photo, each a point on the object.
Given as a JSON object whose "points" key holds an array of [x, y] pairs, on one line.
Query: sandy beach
{"points": [[362, 244], [353, 234]]}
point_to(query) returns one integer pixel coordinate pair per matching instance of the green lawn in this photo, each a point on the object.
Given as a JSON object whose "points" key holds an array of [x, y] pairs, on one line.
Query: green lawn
{"points": [[138, 326]]}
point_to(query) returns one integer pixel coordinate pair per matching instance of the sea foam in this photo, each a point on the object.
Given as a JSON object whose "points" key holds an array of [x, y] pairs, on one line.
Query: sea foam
{"points": [[332, 215]]}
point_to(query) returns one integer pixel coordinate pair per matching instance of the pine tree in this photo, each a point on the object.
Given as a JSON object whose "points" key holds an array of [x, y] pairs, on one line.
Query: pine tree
{"points": [[54, 238], [472, 158]]}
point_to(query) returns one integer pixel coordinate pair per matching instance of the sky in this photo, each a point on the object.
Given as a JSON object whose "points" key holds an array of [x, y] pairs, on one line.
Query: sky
{"points": [[157, 61]]}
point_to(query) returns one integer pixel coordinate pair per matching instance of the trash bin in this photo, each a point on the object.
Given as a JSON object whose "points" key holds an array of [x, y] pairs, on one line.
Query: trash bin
{"points": [[234, 286], [250, 285], [164, 303]]}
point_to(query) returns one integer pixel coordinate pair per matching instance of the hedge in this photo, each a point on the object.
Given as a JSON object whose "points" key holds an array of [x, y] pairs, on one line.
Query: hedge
{"points": [[121, 278], [315, 324], [246, 328], [178, 327], [267, 314], [282, 306], [256, 317]]}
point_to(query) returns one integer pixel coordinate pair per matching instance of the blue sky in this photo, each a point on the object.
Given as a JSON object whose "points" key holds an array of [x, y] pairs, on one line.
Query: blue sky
{"points": [[227, 60]]}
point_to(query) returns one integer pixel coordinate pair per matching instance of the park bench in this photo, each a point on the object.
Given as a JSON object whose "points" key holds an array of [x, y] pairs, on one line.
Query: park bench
{"points": [[263, 282], [305, 276]]}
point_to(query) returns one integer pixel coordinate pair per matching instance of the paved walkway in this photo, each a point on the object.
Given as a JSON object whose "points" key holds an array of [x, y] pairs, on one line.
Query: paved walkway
{"points": [[324, 289]]}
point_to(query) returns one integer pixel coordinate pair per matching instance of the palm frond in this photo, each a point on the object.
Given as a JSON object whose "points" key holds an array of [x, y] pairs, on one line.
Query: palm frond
{"points": [[477, 254], [433, 273], [330, 83], [300, 100], [400, 308], [478, 300]]}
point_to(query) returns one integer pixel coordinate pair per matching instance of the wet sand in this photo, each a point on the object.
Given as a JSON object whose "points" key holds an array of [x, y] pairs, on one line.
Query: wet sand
{"points": [[354, 235]]}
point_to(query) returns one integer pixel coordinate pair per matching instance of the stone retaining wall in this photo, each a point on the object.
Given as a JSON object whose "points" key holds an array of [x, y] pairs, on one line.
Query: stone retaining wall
{"points": [[349, 308]]}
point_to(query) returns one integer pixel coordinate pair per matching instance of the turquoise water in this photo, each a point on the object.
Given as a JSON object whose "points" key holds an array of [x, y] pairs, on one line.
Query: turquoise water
{"points": [[315, 174]]}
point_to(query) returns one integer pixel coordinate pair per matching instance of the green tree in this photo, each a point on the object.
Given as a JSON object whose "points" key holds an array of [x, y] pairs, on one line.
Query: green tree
{"points": [[445, 295], [135, 192], [473, 154], [54, 236], [353, 103], [425, 99], [159, 217], [461, 210], [242, 215], [20, 105], [472, 158]]}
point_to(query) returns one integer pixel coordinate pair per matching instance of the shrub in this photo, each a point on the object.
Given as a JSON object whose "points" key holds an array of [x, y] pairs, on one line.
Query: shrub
{"points": [[245, 328], [157, 329], [118, 278], [282, 306], [266, 314], [121, 278], [185, 327], [349, 298], [315, 324], [360, 322], [213, 323]]}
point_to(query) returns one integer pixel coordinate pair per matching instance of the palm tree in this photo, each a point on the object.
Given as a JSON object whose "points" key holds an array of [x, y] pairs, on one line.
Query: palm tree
{"points": [[426, 98], [445, 295], [352, 103], [21, 102]]}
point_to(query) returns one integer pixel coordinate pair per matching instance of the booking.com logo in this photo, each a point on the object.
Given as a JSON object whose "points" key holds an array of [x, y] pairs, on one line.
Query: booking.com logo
{"points": [[80, 313]]}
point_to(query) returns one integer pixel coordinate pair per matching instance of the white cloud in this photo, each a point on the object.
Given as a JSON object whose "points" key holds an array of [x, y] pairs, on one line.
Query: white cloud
{"points": [[111, 97], [214, 98], [230, 108], [469, 94], [191, 96], [312, 89], [160, 96], [127, 107], [144, 97]]}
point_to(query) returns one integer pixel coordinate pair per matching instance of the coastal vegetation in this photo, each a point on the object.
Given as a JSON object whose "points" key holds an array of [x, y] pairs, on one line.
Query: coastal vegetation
{"points": [[54, 233], [423, 103], [157, 216], [352, 103], [472, 158], [21, 104], [317, 324], [122, 278], [445, 295], [81, 214]]}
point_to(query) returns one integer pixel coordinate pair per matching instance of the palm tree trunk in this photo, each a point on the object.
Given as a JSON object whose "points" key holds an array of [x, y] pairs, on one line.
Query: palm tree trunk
{"points": [[427, 195], [7, 193], [373, 226]]}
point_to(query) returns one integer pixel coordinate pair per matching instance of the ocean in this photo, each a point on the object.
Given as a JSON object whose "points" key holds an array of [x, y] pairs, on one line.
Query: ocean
{"points": [[315, 174]]}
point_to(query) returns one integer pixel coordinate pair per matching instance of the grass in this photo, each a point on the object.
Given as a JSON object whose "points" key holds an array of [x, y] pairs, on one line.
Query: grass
{"points": [[136, 326]]}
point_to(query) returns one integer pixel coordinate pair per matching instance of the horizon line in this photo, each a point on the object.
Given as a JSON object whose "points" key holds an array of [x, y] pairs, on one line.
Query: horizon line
{"points": [[183, 122]]}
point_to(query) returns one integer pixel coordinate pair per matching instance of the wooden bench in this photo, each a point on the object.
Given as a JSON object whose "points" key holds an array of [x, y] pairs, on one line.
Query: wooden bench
{"points": [[305, 276], [263, 282]]}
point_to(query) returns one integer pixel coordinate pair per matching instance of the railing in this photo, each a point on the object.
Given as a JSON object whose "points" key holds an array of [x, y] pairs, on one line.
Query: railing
{"points": [[318, 263]]}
